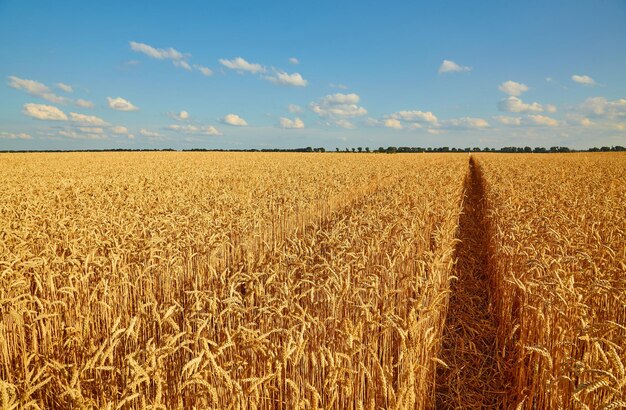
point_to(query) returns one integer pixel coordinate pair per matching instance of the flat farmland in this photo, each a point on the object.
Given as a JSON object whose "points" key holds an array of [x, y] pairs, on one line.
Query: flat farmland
{"points": [[340, 281]]}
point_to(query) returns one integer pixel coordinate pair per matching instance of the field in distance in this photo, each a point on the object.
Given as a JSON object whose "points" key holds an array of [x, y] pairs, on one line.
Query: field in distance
{"points": [[344, 281]]}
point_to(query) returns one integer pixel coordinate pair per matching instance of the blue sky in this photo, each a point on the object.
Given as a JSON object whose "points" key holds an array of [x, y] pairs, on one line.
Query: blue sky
{"points": [[78, 75]]}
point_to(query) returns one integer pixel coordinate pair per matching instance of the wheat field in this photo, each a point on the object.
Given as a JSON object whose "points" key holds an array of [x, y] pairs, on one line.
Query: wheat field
{"points": [[303, 281]]}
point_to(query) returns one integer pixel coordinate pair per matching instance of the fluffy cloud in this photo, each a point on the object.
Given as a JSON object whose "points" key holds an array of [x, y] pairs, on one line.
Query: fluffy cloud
{"points": [[583, 79], [83, 133], [195, 130], [87, 119], [282, 78], [601, 107], [513, 88], [343, 123], [84, 103], [574, 119], [242, 65], [338, 105], [64, 87], [120, 104], [234, 119], [514, 104], [182, 64], [150, 134], [180, 116], [448, 66], [294, 60], [502, 119], [204, 70], [287, 123], [541, 120], [294, 109], [466, 123], [393, 123], [118, 129], [158, 53], [15, 136], [35, 88], [44, 112], [415, 116]]}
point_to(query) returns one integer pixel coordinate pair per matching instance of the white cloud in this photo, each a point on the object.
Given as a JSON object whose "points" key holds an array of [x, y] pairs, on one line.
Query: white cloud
{"points": [[158, 53], [196, 130], [574, 119], [234, 119], [118, 129], [242, 65], [505, 120], [288, 123], [87, 119], [294, 109], [416, 116], [180, 116], [550, 108], [182, 64], [282, 78], [393, 123], [15, 136], [514, 104], [35, 88], [541, 120], [44, 112], [204, 70], [338, 105], [601, 107], [513, 88], [120, 104], [64, 87], [583, 79], [91, 130], [339, 86], [84, 133], [84, 103], [150, 134], [466, 123], [448, 66], [343, 123], [294, 60]]}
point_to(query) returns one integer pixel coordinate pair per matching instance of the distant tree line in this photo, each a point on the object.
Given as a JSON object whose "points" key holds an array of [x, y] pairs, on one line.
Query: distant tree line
{"points": [[388, 150]]}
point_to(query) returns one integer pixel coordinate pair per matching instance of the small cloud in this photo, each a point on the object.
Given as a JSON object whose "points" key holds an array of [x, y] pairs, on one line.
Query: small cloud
{"points": [[15, 136], [151, 134], [83, 134], [87, 119], [344, 124], [514, 104], [550, 108], [282, 78], [294, 61], [393, 123], [64, 87], [448, 66], [118, 129], [541, 120], [158, 53], [204, 70], [574, 119], [194, 130], [235, 120], [513, 88], [181, 116], [338, 86], [182, 64], [35, 88], [294, 109], [601, 107], [466, 123], [120, 104], [583, 79], [505, 120], [44, 112], [338, 105], [415, 116], [287, 123], [241, 65], [84, 103]]}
